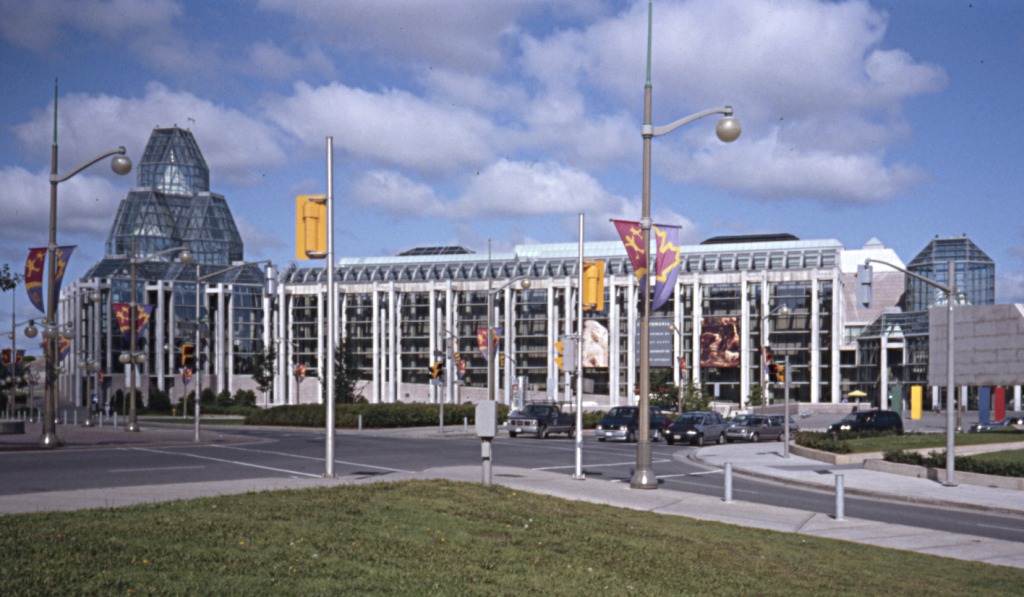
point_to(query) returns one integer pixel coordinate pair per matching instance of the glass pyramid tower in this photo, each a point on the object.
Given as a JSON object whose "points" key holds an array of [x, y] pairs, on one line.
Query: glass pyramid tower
{"points": [[975, 274], [172, 206]]}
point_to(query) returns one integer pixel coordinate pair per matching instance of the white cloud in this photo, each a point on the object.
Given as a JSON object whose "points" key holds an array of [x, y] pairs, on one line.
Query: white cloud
{"points": [[85, 206], [508, 188], [393, 127], [395, 194], [36, 25], [237, 147]]}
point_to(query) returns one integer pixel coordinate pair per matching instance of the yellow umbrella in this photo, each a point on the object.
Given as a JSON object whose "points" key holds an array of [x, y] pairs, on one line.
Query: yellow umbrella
{"points": [[857, 394]]}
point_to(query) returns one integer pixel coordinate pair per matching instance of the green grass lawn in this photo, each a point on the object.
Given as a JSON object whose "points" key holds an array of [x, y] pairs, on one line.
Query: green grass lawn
{"points": [[914, 441], [445, 538], [1007, 457]]}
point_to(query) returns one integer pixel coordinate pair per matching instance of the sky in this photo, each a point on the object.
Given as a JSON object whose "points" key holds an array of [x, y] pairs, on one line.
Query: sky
{"points": [[496, 122]]}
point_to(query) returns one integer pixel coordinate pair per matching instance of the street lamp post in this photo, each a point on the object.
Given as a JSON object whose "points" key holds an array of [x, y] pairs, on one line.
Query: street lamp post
{"points": [[134, 357], [765, 347], [728, 130], [120, 164], [269, 281], [491, 361], [951, 410]]}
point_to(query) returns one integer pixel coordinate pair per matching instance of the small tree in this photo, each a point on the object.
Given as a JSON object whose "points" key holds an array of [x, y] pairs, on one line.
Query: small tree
{"points": [[346, 374], [695, 397], [265, 370]]}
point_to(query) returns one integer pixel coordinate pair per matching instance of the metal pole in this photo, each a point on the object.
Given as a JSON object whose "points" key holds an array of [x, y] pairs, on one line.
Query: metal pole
{"points": [[950, 387], [728, 482], [332, 328], [840, 498], [49, 437], [198, 351], [785, 444], [132, 343], [490, 344], [643, 476], [578, 365]]}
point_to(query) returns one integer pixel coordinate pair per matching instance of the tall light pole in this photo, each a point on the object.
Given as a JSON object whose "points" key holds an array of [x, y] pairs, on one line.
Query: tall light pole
{"points": [[766, 327], [269, 281], [951, 410], [728, 130], [120, 164], [525, 285], [134, 357]]}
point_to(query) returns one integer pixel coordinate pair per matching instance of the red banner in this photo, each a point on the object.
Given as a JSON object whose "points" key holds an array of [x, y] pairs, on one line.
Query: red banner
{"points": [[34, 277], [633, 239]]}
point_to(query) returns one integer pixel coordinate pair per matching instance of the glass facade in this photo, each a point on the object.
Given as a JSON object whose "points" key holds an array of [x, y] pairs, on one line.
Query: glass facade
{"points": [[975, 274]]}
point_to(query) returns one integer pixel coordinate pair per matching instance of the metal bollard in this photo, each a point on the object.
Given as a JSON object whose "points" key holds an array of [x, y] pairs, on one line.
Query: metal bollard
{"points": [[465, 424], [839, 498], [360, 422], [728, 482], [115, 421]]}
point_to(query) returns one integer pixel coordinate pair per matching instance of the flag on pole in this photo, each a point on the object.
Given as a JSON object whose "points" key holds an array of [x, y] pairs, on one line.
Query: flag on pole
{"points": [[666, 263], [63, 347], [633, 239], [34, 277], [122, 313], [142, 317], [63, 254]]}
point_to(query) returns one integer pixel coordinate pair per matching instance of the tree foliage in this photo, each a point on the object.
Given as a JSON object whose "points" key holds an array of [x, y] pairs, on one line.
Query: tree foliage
{"points": [[346, 374]]}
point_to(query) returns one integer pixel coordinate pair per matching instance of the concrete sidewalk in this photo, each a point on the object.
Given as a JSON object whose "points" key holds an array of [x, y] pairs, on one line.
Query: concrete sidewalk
{"points": [[763, 460]]}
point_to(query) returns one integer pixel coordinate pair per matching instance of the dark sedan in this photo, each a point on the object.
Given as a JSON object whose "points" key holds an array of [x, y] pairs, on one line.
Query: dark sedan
{"points": [[1007, 423], [622, 423], [697, 428]]}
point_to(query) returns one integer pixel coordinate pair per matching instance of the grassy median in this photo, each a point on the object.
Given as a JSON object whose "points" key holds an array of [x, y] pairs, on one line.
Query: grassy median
{"points": [[445, 538]]}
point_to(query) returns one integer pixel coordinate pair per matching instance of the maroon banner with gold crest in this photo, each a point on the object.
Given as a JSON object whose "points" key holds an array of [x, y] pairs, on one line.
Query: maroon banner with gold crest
{"points": [[34, 277]]}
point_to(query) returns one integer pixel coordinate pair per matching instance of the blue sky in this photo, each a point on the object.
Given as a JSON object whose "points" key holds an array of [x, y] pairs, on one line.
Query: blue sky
{"points": [[463, 122]]}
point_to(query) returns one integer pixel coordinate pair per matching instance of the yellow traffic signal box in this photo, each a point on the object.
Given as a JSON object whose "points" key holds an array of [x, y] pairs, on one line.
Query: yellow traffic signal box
{"points": [[593, 285], [310, 226]]}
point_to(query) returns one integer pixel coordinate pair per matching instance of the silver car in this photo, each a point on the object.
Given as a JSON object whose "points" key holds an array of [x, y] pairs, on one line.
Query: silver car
{"points": [[755, 428]]}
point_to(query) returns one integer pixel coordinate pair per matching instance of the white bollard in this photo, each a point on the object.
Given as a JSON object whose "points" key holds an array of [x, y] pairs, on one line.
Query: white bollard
{"points": [[728, 482], [465, 424], [839, 498], [360, 422]]}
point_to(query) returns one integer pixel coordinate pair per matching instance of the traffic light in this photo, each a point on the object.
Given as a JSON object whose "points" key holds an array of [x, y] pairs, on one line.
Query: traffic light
{"points": [[310, 226], [501, 360], [188, 356], [565, 354], [435, 370], [780, 373], [593, 285]]}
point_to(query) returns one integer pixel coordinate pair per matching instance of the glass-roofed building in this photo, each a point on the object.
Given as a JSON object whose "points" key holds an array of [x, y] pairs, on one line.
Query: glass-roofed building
{"points": [[737, 300], [170, 207]]}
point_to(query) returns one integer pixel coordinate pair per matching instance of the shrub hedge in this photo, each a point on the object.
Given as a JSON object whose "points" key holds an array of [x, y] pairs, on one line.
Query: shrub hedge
{"points": [[965, 464], [374, 415]]}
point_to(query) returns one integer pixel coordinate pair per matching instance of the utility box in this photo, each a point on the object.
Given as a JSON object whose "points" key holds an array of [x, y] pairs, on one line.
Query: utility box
{"points": [[487, 419]]}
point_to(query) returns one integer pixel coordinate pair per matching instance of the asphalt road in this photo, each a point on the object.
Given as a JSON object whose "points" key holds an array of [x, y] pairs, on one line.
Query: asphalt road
{"points": [[286, 453]]}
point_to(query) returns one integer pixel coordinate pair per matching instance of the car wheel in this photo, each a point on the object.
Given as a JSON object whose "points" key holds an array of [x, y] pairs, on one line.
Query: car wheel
{"points": [[657, 435], [512, 434], [755, 438], [600, 439], [728, 441], [542, 433], [700, 440], [630, 436], [670, 439], [721, 440], [572, 433]]}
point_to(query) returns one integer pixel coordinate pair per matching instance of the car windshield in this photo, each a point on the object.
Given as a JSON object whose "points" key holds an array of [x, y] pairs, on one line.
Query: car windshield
{"points": [[741, 420], [621, 412], [690, 419], [536, 409]]}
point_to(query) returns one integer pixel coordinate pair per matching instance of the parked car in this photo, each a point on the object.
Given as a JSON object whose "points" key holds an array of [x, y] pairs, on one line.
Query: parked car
{"points": [[1008, 422], [540, 420], [623, 423], [794, 427], [869, 420], [755, 428], [697, 428]]}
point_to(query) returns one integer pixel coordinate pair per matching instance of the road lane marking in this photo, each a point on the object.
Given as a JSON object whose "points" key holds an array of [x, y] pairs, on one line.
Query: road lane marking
{"points": [[555, 468], [155, 468], [223, 460], [318, 459]]}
